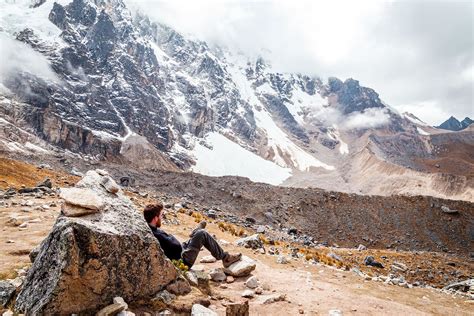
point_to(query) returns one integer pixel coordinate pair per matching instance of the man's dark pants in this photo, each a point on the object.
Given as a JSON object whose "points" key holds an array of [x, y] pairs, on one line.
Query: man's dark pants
{"points": [[199, 239]]}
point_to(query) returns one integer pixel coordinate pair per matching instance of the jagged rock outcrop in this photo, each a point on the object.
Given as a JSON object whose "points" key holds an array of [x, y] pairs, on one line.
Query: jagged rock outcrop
{"points": [[88, 260], [454, 124]]}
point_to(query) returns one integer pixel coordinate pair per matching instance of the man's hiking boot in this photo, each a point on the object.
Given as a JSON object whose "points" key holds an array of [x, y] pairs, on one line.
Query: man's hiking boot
{"points": [[230, 259], [201, 225]]}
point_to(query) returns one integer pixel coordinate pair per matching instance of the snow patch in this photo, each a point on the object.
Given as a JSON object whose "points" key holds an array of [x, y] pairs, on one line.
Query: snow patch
{"points": [[228, 158], [422, 132], [33, 147], [278, 140], [412, 118]]}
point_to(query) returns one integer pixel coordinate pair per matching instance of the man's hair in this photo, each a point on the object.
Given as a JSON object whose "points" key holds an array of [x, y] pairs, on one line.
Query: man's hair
{"points": [[152, 210]]}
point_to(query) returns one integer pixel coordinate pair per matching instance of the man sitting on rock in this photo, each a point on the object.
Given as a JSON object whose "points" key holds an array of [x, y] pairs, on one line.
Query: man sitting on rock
{"points": [[189, 250]]}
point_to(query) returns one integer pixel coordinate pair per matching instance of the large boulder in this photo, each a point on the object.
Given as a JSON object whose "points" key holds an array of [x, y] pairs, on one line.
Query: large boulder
{"points": [[88, 260]]}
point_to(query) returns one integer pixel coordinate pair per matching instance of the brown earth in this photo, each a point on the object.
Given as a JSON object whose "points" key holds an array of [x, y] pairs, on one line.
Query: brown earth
{"points": [[412, 223], [310, 288], [14, 173], [397, 222]]}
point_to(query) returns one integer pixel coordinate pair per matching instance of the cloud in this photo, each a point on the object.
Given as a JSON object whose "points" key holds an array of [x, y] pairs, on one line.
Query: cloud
{"points": [[370, 118], [331, 115], [410, 52], [17, 57]]}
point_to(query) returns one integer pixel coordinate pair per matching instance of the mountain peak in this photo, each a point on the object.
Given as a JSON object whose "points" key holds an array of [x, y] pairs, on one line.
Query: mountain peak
{"points": [[453, 124]]}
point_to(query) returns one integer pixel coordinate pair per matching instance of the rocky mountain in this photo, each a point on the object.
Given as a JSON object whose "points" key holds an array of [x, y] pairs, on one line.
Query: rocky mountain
{"points": [[133, 91], [453, 124]]}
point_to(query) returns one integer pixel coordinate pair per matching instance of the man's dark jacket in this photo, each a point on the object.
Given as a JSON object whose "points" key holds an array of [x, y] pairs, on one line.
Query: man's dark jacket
{"points": [[170, 245]]}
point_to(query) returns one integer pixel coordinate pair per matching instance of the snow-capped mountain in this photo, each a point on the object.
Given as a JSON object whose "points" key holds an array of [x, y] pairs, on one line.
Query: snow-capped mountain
{"points": [[127, 89]]}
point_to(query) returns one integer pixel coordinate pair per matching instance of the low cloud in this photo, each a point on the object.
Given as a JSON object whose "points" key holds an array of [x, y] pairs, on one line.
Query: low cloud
{"points": [[410, 52], [17, 57], [370, 118]]}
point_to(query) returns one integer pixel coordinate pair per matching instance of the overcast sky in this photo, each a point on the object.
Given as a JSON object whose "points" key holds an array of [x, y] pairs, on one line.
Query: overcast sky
{"points": [[418, 55]]}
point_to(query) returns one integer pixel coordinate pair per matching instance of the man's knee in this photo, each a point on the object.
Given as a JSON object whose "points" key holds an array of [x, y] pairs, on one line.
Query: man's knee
{"points": [[200, 233]]}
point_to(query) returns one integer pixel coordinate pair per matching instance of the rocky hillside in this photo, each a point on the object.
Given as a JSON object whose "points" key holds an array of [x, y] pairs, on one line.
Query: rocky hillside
{"points": [[133, 91]]}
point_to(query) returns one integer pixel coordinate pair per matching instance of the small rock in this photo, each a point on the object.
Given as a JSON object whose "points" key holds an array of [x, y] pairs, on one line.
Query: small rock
{"points": [[241, 268], [398, 266], [162, 313], [10, 241], [335, 257], [268, 299], [211, 214], [34, 253], [463, 286], [119, 300], [111, 310], [301, 311], [164, 297], [208, 259], [361, 247], [6, 292], [179, 287], [199, 310], [217, 275], [248, 294], [282, 260], [252, 242], [252, 282], [447, 210], [292, 231], [109, 185], [14, 221], [223, 242], [230, 279], [125, 181], [126, 313], [335, 312], [82, 197], [24, 225], [258, 290], [8, 313], [192, 278], [45, 183], [75, 172], [250, 220], [237, 309], [370, 261], [261, 229]]}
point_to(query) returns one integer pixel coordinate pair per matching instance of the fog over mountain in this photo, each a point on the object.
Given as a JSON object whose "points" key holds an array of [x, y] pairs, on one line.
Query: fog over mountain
{"points": [[419, 57]]}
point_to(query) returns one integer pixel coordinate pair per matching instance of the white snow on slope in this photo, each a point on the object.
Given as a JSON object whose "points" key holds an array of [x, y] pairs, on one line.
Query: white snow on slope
{"points": [[334, 134], [17, 15], [412, 118], [277, 139], [228, 158], [422, 132]]}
